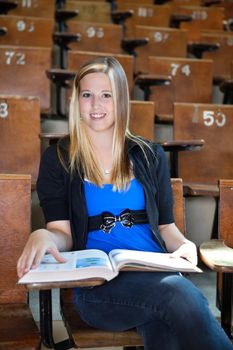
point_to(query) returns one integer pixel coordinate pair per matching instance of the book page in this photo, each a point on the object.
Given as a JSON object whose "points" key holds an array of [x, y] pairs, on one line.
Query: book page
{"points": [[79, 265], [149, 260]]}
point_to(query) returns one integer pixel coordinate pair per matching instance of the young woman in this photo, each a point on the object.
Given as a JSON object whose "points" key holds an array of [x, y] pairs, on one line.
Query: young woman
{"points": [[101, 167]]}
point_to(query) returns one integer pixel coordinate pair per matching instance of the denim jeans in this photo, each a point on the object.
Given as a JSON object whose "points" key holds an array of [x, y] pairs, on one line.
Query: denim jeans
{"points": [[168, 311]]}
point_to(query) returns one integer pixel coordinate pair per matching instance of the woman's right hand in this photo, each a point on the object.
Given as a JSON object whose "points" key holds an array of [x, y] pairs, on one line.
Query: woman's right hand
{"points": [[39, 243]]}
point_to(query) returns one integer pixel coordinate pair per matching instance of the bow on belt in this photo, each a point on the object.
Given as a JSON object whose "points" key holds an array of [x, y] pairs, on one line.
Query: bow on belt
{"points": [[109, 220], [106, 221]]}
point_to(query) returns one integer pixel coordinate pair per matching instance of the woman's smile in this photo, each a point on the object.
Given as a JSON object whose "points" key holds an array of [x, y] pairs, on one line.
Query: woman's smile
{"points": [[97, 115]]}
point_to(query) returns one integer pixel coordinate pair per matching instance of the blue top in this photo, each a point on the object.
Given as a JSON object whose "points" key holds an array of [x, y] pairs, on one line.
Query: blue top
{"points": [[99, 199]]}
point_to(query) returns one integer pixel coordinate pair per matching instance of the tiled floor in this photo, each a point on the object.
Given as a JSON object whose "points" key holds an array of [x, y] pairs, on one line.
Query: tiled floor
{"points": [[205, 281]]}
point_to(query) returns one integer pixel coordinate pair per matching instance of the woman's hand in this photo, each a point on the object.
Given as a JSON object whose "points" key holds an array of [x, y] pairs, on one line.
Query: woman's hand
{"points": [[39, 243], [188, 251]]}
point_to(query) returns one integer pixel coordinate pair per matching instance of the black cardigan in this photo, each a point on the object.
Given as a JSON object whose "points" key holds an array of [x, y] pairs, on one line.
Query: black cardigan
{"points": [[62, 195]]}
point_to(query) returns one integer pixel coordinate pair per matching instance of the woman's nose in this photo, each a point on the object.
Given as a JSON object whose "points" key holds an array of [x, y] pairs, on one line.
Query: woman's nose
{"points": [[95, 101]]}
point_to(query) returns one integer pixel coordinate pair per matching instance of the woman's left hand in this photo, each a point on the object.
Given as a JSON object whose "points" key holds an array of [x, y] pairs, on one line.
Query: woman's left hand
{"points": [[188, 251]]}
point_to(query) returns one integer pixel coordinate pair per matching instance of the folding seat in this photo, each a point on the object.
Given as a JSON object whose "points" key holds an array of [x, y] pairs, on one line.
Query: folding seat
{"points": [[188, 80], [27, 31], [214, 124], [163, 42], [23, 73], [223, 53], [203, 18], [18, 330], [217, 254], [25, 54], [88, 11], [32, 8], [144, 15], [19, 136]]}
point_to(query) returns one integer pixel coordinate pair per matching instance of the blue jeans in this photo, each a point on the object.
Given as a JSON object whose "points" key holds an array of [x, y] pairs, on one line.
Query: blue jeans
{"points": [[168, 311]]}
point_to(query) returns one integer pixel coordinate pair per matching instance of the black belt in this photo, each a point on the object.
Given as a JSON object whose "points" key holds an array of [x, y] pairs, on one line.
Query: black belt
{"points": [[106, 221]]}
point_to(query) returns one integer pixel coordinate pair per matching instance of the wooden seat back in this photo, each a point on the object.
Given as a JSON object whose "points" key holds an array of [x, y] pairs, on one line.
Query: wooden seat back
{"points": [[145, 15], [98, 37], [228, 8], [222, 57], [27, 31], [191, 82], [23, 72], [202, 18], [214, 124], [225, 211], [19, 135], [142, 119], [164, 42], [18, 330], [34, 8], [85, 336], [90, 11], [15, 201], [76, 58]]}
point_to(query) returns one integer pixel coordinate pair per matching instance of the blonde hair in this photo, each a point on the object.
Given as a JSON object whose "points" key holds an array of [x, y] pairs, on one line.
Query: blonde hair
{"points": [[81, 153]]}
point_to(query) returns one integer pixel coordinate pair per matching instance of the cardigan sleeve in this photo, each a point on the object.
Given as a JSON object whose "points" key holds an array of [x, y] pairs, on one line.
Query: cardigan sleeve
{"points": [[52, 187], [165, 195]]}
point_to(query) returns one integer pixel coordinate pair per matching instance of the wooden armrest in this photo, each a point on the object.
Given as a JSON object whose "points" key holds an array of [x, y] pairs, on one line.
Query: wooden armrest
{"points": [[60, 76], [226, 86], [177, 18], [217, 255], [52, 137], [147, 80], [164, 119], [197, 49], [6, 6], [91, 282], [64, 15], [119, 16], [228, 24], [182, 145], [3, 31], [196, 189], [211, 2], [63, 39], [130, 44]]}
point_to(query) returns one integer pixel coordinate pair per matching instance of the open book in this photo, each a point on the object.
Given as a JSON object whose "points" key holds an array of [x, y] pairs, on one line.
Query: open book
{"points": [[96, 264]]}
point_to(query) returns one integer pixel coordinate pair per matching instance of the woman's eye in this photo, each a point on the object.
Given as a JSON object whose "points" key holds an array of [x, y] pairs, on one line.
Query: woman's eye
{"points": [[107, 95], [86, 94]]}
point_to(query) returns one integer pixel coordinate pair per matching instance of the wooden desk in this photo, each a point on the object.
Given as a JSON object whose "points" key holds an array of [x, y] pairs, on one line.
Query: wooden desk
{"points": [[219, 257], [180, 145]]}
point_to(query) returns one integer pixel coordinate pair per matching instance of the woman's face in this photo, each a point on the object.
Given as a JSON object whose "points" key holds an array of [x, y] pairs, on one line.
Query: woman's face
{"points": [[96, 102]]}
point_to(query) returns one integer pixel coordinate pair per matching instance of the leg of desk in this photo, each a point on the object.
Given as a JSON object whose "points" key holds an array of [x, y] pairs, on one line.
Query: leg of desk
{"points": [[227, 299], [46, 325], [174, 164]]}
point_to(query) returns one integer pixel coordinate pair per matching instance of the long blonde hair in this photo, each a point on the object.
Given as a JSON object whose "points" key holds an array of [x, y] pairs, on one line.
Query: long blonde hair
{"points": [[81, 153]]}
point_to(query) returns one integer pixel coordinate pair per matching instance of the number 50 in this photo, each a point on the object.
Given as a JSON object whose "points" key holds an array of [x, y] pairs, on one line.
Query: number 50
{"points": [[210, 118]]}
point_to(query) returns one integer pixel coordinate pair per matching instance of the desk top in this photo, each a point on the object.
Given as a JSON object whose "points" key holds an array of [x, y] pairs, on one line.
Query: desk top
{"points": [[216, 255], [66, 284]]}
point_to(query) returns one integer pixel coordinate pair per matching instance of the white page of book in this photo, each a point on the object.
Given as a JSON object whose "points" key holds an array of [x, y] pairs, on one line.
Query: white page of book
{"points": [[162, 261]]}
